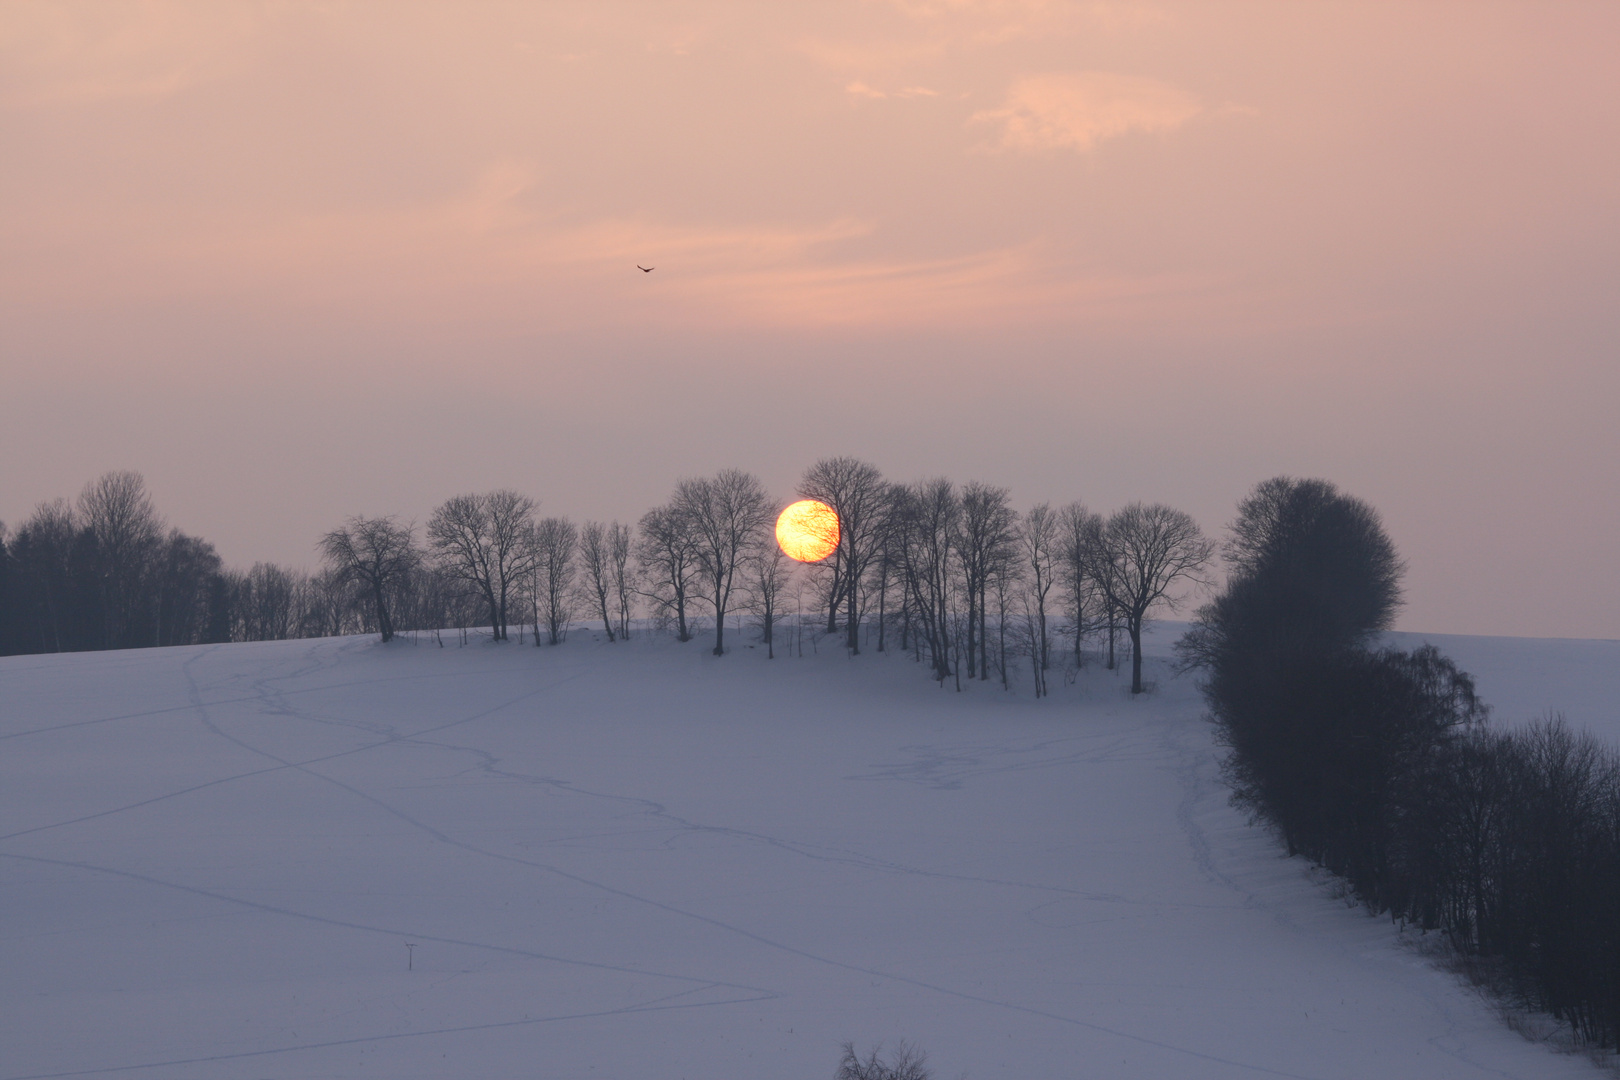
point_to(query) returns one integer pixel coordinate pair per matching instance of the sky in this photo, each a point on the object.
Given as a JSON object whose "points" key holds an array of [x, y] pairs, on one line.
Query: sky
{"points": [[295, 262]]}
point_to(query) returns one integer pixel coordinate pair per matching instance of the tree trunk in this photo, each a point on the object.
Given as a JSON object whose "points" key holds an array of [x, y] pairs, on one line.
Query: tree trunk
{"points": [[384, 623], [1134, 626], [719, 623], [852, 615], [494, 614], [835, 593]]}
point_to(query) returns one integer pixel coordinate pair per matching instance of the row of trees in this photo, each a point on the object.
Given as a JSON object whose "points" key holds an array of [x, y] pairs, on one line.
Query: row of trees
{"points": [[106, 572], [969, 582], [955, 574], [1378, 764], [952, 574]]}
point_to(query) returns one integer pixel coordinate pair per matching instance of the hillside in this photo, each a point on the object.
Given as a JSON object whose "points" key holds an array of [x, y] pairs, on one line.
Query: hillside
{"points": [[637, 861]]}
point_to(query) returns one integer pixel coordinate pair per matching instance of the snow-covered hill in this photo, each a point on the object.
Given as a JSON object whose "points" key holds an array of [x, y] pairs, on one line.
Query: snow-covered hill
{"points": [[335, 859]]}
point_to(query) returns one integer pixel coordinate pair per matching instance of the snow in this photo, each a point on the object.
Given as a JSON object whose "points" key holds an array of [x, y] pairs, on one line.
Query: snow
{"points": [[635, 860], [1524, 679]]}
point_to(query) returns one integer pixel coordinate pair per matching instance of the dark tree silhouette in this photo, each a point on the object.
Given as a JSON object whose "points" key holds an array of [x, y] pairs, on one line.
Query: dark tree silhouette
{"points": [[1311, 571], [986, 539], [666, 547], [375, 555], [859, 496], [767, 576], [1038, 538], [1147, 551], [925, 521], [596, 568], [727, 515], [1079, 541], [125, 531], [554, 542], [486, 541]]}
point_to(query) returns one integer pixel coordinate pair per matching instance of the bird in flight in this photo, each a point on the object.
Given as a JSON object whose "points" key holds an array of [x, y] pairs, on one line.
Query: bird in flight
{"points": [[645, 269]]}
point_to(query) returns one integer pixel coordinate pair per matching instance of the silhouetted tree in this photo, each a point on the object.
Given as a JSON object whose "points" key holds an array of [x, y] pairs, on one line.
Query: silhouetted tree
{"points": [[1311, 571], [555, 542], [184, 576], [126, 531], [596, 568], [622, 573], [376, 555], [986, 536], [667, 550], [46, 591], [769, 572], [907, 1063], [859, 496], [926, 519], [1038, 538], [486, 540], [727, 515], [1146, 552], [1079, 540]]}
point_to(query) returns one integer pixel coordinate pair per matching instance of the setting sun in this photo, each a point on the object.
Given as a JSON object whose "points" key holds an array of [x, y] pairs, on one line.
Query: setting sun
{"points": [[808, 531]]}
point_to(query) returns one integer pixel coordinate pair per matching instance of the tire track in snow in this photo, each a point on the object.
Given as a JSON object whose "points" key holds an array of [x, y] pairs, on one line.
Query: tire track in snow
{"points": [[198, 704], [760, 939], [656, 1005], [1192, 774], [762, 994], [804, 849]]}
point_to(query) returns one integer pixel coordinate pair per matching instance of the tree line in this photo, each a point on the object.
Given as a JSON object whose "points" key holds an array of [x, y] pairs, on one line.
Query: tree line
{"points": [[952, 574], [1378, 764]]}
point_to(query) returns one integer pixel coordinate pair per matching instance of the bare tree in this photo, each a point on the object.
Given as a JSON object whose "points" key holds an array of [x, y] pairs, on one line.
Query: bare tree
{"points": [[555, 540], [43, 551], [859, 496], [485, 541], [926, 527], [432, 599], [127, 532], [186, 570], [596, 565], [987, 532], [1038, 544], [1147, 551], [1007, 588], [728, 516], [623, 574], [769, 572], [907, 1063], [667, 550], [1079, 537], [268, 603], [375, 555]]}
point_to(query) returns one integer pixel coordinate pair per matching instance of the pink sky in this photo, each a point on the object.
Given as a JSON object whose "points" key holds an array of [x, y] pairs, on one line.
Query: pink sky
{"points": [[295, 262]]}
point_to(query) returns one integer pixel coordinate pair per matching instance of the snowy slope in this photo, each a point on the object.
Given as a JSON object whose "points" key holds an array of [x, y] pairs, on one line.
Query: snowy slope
{"points": [[638, 861]]}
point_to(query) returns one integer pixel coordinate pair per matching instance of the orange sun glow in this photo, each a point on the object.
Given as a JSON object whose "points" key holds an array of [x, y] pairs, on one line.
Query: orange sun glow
{"points": [[807, 531]]}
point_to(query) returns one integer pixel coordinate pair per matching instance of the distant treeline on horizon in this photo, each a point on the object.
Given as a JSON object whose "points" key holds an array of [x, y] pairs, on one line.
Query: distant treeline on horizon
{"points": [[952, 574], [1374, 763]]}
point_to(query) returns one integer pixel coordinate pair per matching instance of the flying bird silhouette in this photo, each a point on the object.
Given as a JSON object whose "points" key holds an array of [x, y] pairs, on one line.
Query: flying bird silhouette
{"points": [[645, 269]]}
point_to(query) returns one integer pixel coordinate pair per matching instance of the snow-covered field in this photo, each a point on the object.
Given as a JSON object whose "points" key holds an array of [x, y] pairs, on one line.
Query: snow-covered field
{"points": [[334, 859]]}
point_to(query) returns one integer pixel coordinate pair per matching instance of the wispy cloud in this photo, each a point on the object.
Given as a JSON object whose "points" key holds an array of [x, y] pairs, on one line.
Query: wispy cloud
{"points": [[56, 54], [1077, 111], [862, 90]]}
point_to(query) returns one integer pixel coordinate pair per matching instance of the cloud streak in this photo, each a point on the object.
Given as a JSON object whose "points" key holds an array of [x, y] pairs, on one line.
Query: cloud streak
{"points": [[1077, 111]]}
